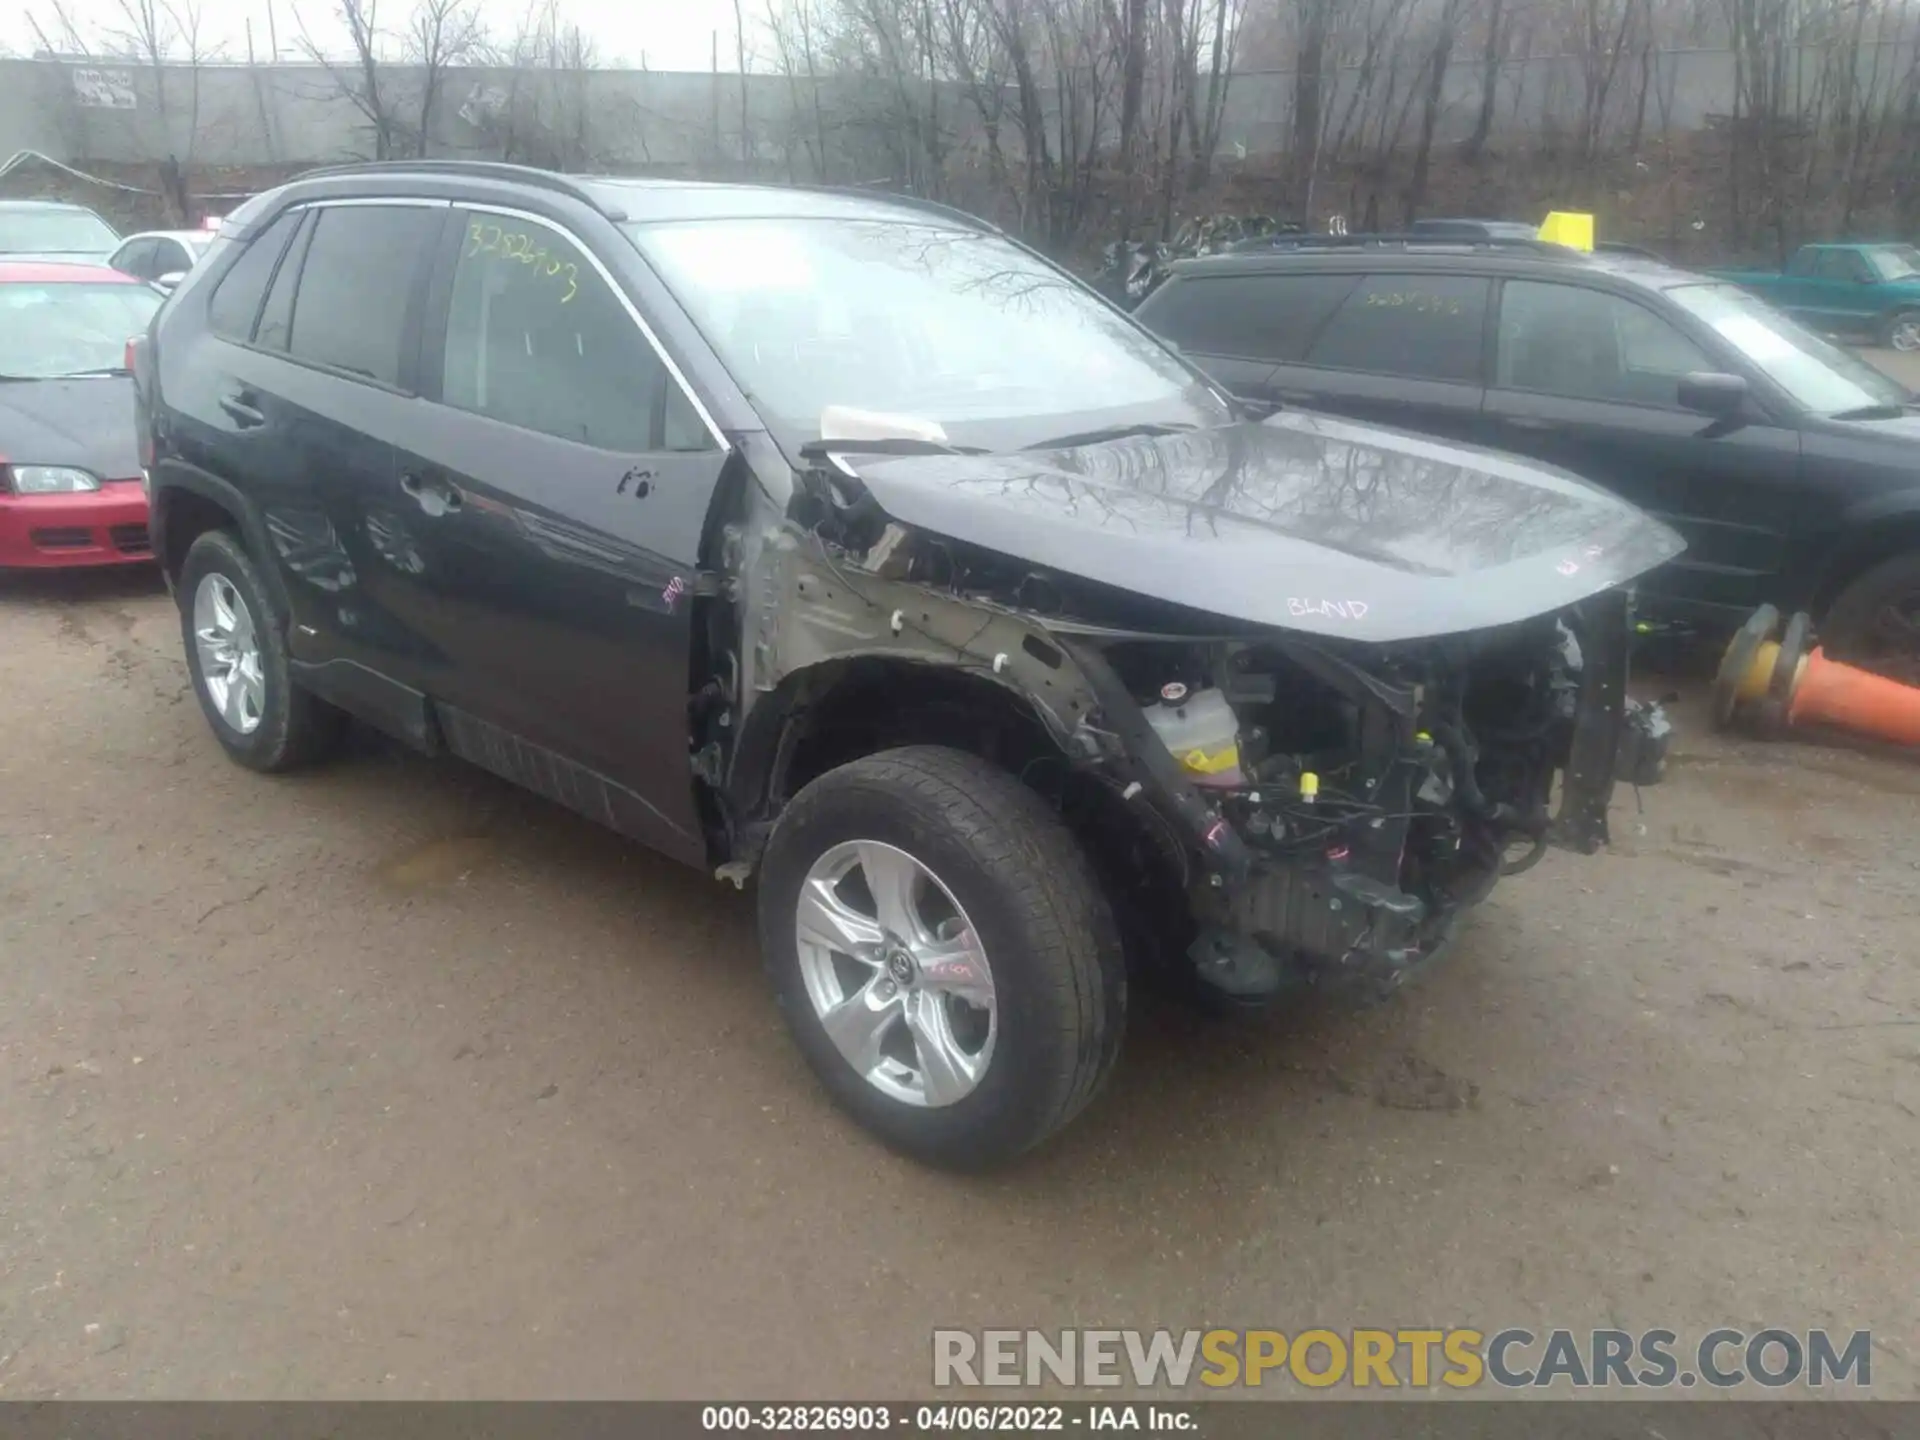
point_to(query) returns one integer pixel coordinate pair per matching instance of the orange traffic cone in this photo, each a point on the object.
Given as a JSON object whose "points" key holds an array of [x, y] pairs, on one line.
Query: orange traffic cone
{"points": [[1782, 684]]}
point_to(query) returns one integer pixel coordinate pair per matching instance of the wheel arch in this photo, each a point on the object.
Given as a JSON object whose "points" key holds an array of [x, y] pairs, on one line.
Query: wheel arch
{"points": [[1872, 534], [187, 504], [840, 710]]}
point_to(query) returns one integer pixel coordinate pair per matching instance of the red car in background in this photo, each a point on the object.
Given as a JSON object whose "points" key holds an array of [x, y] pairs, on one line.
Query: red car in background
{"points": [[70, 483]]}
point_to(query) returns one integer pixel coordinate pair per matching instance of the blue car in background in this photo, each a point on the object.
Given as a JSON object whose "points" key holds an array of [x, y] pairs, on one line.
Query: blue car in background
{"points": [[1863, 292]]}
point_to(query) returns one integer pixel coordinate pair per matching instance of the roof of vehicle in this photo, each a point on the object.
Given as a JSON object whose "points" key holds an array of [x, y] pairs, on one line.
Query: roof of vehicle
{"points": [[44, 205], [58, 272], [1460, 255], [646, 200]]}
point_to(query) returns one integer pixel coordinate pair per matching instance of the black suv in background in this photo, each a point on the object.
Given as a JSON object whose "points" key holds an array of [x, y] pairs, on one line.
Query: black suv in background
{"points": [[1789, 465], [843, 544]]}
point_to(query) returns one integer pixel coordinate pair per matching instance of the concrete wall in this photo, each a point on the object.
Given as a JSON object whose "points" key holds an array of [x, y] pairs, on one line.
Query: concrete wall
{"points": [[299, 114]]}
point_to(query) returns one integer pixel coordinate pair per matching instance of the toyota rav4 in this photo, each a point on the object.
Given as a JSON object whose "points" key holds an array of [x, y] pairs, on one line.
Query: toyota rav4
{"points": [[843, 545]]}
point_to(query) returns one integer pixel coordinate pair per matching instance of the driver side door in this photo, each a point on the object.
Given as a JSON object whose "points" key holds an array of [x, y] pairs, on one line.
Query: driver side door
{"points": [[544, 530], [1589, 380]]}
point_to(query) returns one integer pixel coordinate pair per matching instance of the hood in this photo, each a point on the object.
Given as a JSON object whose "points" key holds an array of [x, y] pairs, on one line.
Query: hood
{"points": [[61, 257], [1300, 522], [87, 422]]}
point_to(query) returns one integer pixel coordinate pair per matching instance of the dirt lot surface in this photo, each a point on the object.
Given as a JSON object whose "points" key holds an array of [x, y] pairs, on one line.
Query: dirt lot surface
{"points": [[391, 1081]]}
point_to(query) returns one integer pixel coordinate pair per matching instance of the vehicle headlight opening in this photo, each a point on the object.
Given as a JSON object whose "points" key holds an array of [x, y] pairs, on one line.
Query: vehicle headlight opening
{"points": [[48, 479]]}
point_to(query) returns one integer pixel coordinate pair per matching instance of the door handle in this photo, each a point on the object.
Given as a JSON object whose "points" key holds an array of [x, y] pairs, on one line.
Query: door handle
{"points": [[1529, 422], [1295, 397], [243, 407], [431, 496]]}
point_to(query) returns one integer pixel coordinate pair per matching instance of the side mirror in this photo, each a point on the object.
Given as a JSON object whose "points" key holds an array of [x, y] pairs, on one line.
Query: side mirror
{"points": [[170, 279], [1720, 396]]}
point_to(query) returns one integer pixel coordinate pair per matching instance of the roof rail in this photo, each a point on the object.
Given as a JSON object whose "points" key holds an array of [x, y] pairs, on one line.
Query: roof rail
{"points": [[910, 202], [1415, 241], [481, 169]]}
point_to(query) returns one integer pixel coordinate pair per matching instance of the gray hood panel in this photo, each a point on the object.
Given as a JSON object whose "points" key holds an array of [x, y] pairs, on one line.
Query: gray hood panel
{"points": [[1301, 522]]}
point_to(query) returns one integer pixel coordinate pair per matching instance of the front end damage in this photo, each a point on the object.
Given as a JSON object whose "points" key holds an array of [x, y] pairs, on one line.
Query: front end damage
{"points": [[1376, 797], [1297, 809]]}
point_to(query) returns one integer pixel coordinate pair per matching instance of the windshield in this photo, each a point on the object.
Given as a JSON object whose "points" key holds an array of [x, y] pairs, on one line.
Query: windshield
{"points": [[49, 330], [1820, 376], [918, 330], [1893, 262], [54, 232]]}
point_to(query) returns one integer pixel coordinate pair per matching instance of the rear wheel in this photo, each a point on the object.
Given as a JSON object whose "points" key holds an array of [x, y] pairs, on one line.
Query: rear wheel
{"points": [[1875, 621], [943, 953], [237, 653], [1903, 332]]}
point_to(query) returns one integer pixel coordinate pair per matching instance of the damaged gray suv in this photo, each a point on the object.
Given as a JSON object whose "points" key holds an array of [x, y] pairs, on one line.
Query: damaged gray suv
{"points": [[843, 545]]}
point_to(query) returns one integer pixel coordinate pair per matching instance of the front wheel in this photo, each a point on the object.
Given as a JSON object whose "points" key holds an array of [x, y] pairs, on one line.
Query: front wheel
{"points": [[1903, 332], [943, 953], [1875, 622]]}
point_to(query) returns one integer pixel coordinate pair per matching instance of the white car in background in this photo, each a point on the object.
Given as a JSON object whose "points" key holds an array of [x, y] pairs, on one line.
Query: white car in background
{"points": [[161, 257]]}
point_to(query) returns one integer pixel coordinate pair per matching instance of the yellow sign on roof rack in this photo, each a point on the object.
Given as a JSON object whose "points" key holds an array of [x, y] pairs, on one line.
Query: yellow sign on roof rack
{"points": [[1568, 227]]}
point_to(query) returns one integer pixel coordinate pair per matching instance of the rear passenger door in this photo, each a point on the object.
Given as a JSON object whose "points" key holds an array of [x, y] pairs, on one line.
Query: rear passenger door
{"points": [[318, 395], [1398, 349], [547, 521]]}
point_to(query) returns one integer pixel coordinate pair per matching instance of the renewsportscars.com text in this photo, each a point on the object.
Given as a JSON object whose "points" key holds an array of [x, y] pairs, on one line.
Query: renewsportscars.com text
{"points": [[1515, 1358]]}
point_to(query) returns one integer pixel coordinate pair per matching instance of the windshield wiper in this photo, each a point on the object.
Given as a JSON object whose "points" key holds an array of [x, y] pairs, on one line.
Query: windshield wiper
{"points": [[1111, 432], [884, 445], [89, 374], [1873, 412]]}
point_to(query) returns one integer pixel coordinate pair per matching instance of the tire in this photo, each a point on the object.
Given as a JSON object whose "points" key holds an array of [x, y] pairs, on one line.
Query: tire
{"points": [[273, 725], [1022, 886], [1863, 625], [1902, 332]]}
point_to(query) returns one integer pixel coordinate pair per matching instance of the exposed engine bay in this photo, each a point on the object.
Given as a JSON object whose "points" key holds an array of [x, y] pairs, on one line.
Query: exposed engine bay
{"points": [[1376, 802]]}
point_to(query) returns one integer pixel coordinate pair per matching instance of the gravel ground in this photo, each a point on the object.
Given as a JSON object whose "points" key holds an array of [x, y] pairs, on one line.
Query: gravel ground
{"points": [[391, 1081]]}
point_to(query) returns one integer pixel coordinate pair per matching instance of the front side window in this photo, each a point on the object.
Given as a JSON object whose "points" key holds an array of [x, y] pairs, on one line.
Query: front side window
{"points": [[1589, 345], [1423, 327], [49, 330], [350, 312], [937, 330], [54, 232], [538, 339], [1894, 262], [1820, 376]]}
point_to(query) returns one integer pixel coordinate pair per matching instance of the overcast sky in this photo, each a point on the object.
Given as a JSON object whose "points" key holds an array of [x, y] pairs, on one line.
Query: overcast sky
{"points": [[662, 34]]}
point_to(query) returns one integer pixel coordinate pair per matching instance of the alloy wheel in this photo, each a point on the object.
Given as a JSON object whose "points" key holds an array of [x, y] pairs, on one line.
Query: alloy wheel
{"points": [[896, 973], [229, 652]]}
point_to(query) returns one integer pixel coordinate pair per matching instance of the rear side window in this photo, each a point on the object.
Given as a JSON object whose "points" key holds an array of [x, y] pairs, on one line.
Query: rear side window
{"points": [[1425, 327], [1256, 317], [355, 287], [136, 258], [236, 299], [276, 316]]}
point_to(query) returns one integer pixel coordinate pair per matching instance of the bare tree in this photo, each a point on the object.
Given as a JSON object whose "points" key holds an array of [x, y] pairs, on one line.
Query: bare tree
{"points": [[362, 81], [441, 34]]}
